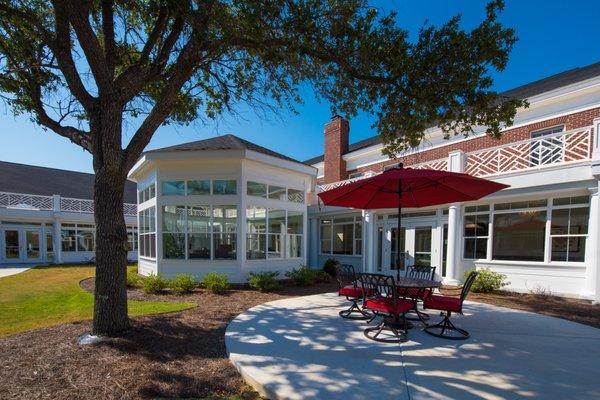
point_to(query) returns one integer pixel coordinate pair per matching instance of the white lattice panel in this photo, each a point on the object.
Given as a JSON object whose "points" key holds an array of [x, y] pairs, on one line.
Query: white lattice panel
{"points": [[76, 205], [18, 200], [554, 149], [438, 165], [130, 209]]}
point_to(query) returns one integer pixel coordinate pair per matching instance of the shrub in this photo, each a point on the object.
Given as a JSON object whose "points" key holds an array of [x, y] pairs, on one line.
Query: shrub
{"points": [[133, 279], [305, 276], [154, 284], [488, 281], [215, 283], [183, 284], [264, 281], [330, 265]]}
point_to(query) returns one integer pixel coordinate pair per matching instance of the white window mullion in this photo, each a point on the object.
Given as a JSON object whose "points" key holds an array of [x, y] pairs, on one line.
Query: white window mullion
{"points": [[548, 237], [490, 239]]}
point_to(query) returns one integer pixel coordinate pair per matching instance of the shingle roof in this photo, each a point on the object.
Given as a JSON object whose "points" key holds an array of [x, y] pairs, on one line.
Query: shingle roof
{"points": [[540, 86], [30, 179], [224, 142]]}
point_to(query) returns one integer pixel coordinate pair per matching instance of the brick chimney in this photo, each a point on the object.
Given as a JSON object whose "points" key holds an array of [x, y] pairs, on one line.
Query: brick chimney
{"points": [[336, 145]]}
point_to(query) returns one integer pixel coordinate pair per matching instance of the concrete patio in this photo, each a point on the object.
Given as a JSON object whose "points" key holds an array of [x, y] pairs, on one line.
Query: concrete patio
{"points": [[300, 349]]}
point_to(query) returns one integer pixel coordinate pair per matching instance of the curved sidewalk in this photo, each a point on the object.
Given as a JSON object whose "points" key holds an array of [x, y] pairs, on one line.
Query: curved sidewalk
{"points": [[301, 349]]}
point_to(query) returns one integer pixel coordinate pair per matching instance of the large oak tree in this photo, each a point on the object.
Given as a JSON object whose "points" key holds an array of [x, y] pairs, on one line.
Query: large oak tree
{"points": [[82, 68]]}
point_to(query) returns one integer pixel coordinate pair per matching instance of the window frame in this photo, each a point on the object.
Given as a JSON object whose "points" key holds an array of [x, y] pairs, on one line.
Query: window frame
{"points": [[356, 249]]}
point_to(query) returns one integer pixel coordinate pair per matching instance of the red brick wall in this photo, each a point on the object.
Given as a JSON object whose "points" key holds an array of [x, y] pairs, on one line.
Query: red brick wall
{"points": [[571, 121], [336, 145]]}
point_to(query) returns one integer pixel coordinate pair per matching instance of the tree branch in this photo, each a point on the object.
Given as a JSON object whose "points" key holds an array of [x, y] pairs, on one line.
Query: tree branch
{"points": [[108, 30]]}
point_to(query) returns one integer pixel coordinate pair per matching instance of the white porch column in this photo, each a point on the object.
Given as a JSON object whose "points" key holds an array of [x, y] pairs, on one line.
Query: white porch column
{"points": [[56, 240], [456, 163], [453, 257], [369, 241], [313, 247], [591, 289]]}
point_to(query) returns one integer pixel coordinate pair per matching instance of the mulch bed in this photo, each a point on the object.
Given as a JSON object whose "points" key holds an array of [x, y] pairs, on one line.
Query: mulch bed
{"points": [[179, 355]]}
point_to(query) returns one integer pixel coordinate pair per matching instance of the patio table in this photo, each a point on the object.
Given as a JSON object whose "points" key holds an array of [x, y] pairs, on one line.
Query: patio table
{"points": [[403, 284]]}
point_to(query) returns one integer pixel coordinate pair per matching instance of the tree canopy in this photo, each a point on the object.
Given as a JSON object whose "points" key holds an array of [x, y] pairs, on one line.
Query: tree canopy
{"points": [[174, 61]]}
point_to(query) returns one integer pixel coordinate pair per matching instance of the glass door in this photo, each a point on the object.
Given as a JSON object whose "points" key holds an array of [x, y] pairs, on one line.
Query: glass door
{"points": [[12, 249], [416, 245], [33, 246]]}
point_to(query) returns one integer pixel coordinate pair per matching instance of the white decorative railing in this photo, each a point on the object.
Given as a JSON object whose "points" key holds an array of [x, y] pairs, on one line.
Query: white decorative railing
{"points": [[46, 203], [76, 205], [559, 148], [439, 164], [26, 201]]}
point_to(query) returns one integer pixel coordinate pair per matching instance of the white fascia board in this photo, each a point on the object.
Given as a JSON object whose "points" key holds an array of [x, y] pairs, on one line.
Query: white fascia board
{"points": [[281, 163], [136, 168]]}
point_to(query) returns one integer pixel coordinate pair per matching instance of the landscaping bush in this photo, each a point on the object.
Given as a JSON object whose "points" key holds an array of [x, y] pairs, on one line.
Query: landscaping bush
{"points": [[154, 284], [488, 281], [133, 279], [215, 283], [305, 276], [330, 265], [264, 281], [183, 284]]}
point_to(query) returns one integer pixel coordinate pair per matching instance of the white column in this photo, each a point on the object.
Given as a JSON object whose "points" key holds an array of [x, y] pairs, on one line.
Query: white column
{"points": [[591, 289], [369, 240], [313, 237], [456, 163], [452, 260], [56, 240]]}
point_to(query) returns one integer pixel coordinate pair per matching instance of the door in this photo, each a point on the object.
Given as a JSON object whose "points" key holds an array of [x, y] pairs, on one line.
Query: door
{"points": [[416, 245], [22, 245]]}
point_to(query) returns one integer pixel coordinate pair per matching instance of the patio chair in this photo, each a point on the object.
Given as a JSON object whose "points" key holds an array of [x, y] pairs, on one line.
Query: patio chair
{"points": [[381, 297], [419, 272], [448, 305], [349, 287]]}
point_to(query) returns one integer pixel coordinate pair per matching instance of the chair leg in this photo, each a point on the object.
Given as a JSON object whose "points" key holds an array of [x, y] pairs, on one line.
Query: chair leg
{"points": [[353, 310], [445, 325], [388, 324], [421, 316]]}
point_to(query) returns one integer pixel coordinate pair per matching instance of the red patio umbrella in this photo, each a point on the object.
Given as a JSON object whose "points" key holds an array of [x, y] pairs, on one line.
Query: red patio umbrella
{"points": [[409, 188]]}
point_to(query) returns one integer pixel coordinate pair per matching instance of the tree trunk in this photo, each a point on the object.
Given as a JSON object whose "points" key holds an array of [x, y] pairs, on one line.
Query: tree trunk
{"points": [[110, 300], [110, 297]]}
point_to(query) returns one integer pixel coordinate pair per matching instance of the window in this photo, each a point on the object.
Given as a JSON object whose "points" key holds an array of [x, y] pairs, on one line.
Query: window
{"points": [[201, 187], [132, 238], [78, 237], [256, 219], [147, 233], [49, 246], [147, 194], [519, 235], [296, 196], [356, 175], [475, 233], [295, 222], [224, 228], [276, 232], [256, 189], [277, 193], [547, 150], [391, 166], [198, 231], [220, 186], [176, 188], [173, 232], [569, 228], [342, 236]]}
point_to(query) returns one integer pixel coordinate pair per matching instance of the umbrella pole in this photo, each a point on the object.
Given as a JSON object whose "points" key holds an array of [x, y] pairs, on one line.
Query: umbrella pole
{"points": [[399, 225]]}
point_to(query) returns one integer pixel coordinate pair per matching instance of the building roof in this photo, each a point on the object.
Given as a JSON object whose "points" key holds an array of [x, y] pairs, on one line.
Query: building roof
{"points": [[30, 179], [540, 86], [224, 142]]}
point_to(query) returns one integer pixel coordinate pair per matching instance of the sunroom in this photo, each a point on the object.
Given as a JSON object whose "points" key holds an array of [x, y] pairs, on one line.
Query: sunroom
{"points": [[221, 205]]}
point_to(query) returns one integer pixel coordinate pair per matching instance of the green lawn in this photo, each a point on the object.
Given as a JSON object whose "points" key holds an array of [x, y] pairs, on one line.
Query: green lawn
{"points": [[51, 295]]}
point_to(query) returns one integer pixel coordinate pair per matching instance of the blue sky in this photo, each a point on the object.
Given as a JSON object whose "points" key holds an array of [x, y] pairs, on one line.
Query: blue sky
{"points": [[554, 36]]}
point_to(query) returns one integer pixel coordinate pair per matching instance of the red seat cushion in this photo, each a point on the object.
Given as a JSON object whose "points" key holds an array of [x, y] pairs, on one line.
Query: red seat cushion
{"points": [[442, 303], [351, 291], [387, 306], [415, 292]]}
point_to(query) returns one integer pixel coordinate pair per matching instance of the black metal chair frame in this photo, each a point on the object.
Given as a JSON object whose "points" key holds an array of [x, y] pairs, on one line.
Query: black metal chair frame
{"points": [[445, 325], [346, 276], [419, 272], [379, 286]]}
